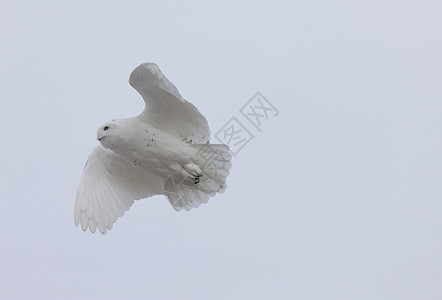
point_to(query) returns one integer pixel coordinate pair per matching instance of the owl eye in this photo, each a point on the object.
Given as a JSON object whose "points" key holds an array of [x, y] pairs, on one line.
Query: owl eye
{"points": [[105, 128]]}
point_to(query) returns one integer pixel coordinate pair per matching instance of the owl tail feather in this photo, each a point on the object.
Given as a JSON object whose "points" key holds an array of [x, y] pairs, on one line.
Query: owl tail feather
{"points": [[214, 160]]}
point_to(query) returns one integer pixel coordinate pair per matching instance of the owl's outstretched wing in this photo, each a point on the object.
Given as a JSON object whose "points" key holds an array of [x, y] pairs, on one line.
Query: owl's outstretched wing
{"points": [[165, 108], [108, 187]]}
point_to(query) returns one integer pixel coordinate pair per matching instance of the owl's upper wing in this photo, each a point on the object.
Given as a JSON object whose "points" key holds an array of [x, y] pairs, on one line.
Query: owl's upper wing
{"points": [[165, 108], [108, 187]]}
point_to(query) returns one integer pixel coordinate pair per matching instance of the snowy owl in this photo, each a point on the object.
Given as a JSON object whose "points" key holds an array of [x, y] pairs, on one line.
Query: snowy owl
{"points": [[163, 151]]}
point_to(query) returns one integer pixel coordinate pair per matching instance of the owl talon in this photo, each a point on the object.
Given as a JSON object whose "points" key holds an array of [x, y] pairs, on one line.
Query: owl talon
{"points": [[196, 179]]}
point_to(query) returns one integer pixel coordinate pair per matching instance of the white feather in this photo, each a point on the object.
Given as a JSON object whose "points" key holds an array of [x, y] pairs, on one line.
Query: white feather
{"points": [[99, 200], [165, 108]]}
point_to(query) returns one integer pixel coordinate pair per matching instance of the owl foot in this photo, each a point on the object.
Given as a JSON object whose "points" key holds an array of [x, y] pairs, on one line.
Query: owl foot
{"points": [[193, 172], [197, 179]]}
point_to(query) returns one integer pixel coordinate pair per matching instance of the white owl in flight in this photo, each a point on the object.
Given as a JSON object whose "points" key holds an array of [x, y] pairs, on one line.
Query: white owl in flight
{"points": [[163, 151]]}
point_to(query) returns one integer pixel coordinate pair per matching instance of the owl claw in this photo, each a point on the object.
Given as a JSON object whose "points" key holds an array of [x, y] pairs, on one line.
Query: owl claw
{"points": [[197, 179]]}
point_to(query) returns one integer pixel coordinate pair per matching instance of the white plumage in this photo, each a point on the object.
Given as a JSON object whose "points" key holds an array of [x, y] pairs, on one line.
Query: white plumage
{"points": [[163, 151]]}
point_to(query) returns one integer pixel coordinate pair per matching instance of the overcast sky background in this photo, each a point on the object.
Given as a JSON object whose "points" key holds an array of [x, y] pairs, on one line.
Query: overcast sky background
{"points": [[338, 197]]}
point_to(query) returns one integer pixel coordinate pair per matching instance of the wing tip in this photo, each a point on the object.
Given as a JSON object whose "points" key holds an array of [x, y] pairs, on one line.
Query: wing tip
{"points": [[138, 72]]}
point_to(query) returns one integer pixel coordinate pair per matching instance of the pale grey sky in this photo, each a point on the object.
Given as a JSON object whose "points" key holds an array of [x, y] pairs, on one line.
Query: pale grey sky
{"points": [[338, 197]]}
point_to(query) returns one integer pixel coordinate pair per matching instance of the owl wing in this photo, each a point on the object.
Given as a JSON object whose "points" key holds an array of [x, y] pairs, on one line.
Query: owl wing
{"points": [[165, 108], [108, 187]]}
